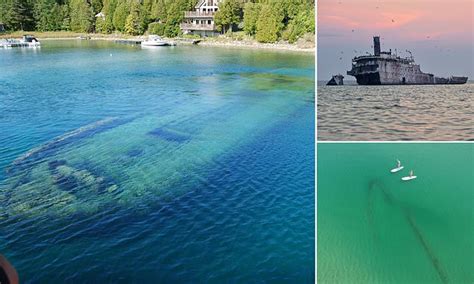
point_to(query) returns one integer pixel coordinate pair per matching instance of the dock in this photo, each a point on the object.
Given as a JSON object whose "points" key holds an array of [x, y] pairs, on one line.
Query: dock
{"points": [[7, 44], [128, 41]]}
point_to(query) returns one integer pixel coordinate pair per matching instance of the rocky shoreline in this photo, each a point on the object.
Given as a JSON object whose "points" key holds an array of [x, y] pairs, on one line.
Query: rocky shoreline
{"points": [[302, 45], [257, 45]]}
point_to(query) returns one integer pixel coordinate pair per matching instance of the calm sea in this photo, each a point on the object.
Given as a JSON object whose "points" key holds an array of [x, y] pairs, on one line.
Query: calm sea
{"points": [[182, 164], [375, 228], [395, 113]]}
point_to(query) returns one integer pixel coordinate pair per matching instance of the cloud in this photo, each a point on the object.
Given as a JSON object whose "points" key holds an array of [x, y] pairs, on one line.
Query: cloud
{"points": [[400, 19]]}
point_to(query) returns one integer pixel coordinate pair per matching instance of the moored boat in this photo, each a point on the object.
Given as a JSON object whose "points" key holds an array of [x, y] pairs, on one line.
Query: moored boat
{"points": [[30, 41], [26, 41], [154, 40]]}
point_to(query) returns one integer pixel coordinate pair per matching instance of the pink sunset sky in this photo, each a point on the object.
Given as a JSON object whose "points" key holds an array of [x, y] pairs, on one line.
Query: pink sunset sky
{"points": [[439, 33]]}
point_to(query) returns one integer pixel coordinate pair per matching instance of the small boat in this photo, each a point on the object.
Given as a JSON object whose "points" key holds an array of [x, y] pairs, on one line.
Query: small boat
{"points": [[410, 177], [26, 41], [30, 40], [154, 40], [398, 168]]}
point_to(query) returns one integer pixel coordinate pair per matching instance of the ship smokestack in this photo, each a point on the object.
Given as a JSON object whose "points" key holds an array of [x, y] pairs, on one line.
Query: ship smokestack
{"points": [[376, 45]]}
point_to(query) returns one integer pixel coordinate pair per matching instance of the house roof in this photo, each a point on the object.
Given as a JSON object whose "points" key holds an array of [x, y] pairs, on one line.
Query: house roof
{"points": [[200, 3]]}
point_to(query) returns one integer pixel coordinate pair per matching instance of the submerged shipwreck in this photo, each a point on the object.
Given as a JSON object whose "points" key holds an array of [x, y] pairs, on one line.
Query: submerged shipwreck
{"points": [[136, 161], [385, 68]]}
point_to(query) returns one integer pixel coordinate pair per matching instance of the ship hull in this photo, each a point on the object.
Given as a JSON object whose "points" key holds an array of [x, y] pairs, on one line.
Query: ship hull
{"points": [[380, 71], [451, 80], [370, 79]]}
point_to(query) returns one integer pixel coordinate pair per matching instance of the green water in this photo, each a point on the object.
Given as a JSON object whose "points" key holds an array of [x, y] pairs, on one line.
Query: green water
{"points": [[375, 228]]}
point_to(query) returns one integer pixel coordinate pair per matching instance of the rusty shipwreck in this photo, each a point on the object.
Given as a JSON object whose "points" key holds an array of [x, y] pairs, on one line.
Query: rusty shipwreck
{"points": [[385, 68]]}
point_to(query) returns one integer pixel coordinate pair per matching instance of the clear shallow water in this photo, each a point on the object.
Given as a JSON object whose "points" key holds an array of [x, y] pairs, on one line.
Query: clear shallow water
{"points": [[394, 113], [174, 164], [374, 228]]}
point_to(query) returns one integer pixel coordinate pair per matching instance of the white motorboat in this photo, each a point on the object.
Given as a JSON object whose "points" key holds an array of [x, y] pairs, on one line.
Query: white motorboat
{"points": [[31, 41], [26, 41], [154, 40]]}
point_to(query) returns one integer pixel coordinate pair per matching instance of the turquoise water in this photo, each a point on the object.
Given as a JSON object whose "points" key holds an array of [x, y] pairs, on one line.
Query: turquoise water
{"points": [[182, 164], [375, 228]]}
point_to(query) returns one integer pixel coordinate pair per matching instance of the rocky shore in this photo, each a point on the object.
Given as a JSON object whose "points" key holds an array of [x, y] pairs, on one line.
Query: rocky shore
{"points": [[305, 44], [252, 44]]}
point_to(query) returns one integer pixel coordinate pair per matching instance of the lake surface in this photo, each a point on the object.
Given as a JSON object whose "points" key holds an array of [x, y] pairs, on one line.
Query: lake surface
{"points": [[182, 164], [395, 113], [375, 228]]}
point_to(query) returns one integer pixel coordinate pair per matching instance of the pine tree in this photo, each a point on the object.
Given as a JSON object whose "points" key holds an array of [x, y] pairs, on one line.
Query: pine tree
{"points": [[120, 15], [43, 13], [57, 17], [251, 12], [175, 15], [82, 16], [4, 9], [19, 15], [66, 18], [267, 25], [145, 13], [96, 5], [158, 10], [133, 24], [227, 15], [106, 25]]}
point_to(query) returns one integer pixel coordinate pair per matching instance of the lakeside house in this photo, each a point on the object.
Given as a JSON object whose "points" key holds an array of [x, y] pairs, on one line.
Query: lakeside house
{"points": [[201, 20]]}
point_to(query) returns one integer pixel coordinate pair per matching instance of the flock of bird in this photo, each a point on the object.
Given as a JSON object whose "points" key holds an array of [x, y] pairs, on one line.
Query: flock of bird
{"points": [[392, 21]]}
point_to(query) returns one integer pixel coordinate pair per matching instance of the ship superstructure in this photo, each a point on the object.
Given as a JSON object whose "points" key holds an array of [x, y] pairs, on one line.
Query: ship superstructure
{"points": [[386, 68]]}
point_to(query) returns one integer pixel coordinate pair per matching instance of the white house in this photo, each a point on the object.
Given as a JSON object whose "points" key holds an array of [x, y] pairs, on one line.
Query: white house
{"points": [[201, 20]]}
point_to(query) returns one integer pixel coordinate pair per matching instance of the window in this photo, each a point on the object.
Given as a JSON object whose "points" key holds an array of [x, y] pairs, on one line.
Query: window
{"points": [[208, 22]]}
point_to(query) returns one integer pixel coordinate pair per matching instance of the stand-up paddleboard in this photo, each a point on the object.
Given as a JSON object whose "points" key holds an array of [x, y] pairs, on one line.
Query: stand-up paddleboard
{"points": [[398, 168], [410, 177]]}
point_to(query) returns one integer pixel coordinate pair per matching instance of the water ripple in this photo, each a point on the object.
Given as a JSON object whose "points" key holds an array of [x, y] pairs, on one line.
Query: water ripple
{"points": [[438, 112]]}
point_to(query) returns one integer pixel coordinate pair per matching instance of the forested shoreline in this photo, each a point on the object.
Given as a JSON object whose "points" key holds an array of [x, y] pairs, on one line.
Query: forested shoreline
{"points": [[264, 20]]}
